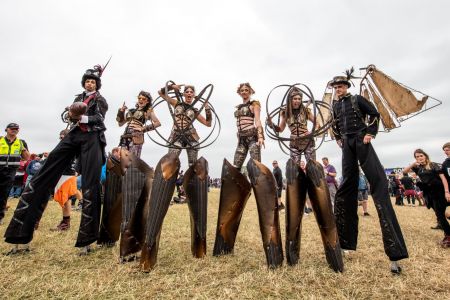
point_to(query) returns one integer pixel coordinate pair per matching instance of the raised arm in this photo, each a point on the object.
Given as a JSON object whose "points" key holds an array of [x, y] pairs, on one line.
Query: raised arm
{"points": [[409, 168], [171, 101], [121, 115]]}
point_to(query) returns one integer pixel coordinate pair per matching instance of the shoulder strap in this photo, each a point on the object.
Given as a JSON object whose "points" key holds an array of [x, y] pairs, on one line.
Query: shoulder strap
{"points": [[355, 106]]}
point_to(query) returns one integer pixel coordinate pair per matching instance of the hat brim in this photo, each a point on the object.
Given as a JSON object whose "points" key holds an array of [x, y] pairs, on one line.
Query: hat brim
{"points": [[341, 82]]}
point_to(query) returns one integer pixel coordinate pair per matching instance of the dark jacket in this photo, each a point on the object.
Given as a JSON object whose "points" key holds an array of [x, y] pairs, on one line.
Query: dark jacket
{"points": [[348, 121], [96, 111], [278, 177]]}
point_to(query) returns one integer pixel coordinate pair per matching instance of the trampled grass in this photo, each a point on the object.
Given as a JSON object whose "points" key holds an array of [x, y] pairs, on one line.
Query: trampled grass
{"points": [[54, 270]]}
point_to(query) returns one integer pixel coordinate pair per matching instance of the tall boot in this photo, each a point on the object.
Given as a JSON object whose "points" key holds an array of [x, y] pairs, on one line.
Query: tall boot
{"points": [[163, 186], [133, 234], [323, 210], [296, 188], [264, 187], [234, 193], [195, 184]]}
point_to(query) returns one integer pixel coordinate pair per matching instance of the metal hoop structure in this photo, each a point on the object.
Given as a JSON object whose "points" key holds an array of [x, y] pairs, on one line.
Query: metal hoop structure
{"points": [[202, 98], [319, 109]]}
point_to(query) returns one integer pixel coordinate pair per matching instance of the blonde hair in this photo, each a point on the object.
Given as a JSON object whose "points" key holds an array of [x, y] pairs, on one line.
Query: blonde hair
{"points": [[252, 91]]}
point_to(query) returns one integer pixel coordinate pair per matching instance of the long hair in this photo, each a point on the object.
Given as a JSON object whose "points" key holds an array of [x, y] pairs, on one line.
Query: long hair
{"points": [[289, 110], [149, 98], [427, 158]]}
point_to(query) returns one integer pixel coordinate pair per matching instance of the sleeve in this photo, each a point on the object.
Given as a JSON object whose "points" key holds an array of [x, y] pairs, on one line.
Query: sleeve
{"points": [[25, 145], [415, 169], [369, 109], [446, 168], [437, 168], [100, 111], [334, 126], [332, 169]]}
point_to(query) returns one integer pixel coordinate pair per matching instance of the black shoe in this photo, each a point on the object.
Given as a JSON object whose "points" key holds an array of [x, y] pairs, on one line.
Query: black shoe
{"points": [[438, 226]]}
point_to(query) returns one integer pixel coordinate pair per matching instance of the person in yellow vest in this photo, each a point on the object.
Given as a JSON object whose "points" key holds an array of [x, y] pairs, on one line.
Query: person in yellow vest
{"points": [[12, 150]]}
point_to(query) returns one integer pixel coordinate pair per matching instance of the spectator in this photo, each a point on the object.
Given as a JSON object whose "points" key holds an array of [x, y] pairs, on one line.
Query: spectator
{"points": [[64, 189], [363, 193], [17, 187], [435, 188], [308, 206], [396, 188], [409, 189], [330, 173], [181, 198], [279, 181], [33, 167], [179, 182], [12, 151]]}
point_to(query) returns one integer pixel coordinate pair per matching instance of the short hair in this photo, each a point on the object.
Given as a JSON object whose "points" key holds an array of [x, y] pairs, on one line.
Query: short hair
{"points": [[446, 145], [326, 158]]}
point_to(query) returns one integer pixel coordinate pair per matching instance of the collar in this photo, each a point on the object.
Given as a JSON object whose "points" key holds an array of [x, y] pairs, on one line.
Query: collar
{"points": [[346, 95], [9, 141], [87, 94]]}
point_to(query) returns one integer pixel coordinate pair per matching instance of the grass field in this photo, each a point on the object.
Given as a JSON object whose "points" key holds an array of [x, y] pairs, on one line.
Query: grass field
{"points": [[54, 270]]}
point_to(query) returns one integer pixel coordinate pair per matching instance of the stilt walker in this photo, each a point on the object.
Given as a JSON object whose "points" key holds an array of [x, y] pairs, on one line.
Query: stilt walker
{"points": [[138, 120], [86, 140], [235, 188], [294, 113], [356, 124], [144, 228]]}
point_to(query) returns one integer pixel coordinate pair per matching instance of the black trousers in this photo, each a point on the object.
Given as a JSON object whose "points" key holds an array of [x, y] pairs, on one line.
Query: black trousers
{"points": [[436, 195], [89, 148], [346, 201], [6, 182]]}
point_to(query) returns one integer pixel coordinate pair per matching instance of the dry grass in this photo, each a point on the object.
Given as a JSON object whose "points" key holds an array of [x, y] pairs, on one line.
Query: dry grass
{"points": [[53, 269]]}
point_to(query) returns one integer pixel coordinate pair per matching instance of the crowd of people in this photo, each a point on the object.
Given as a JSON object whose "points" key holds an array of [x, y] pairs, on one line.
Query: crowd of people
{"points": [[81, 150]]}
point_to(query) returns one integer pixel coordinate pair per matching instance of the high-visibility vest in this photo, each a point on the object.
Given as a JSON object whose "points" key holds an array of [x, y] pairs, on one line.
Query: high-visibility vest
{"points": [[10, 154]]}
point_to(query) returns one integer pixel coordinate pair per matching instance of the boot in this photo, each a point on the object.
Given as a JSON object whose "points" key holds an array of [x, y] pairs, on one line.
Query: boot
{"points": [[63, 225]]}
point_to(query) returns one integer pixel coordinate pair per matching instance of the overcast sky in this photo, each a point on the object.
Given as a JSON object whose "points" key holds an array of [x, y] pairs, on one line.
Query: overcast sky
{"points": [[47, 45]]}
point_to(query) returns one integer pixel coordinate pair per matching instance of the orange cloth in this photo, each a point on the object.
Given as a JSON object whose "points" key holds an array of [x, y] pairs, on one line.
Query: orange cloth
{"points": [[66, 187]]}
